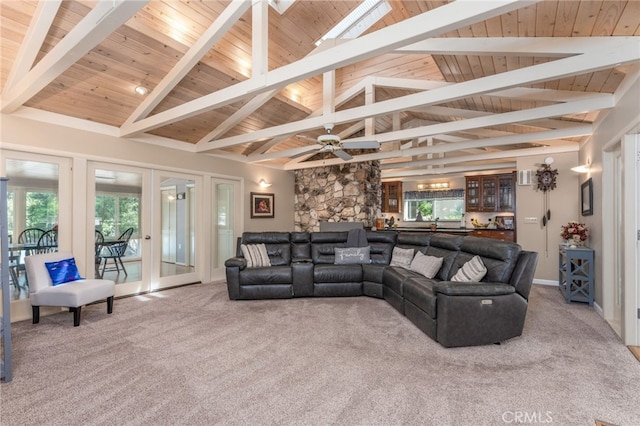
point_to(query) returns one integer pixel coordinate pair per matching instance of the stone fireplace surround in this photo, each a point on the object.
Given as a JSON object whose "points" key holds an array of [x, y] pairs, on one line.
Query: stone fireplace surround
{"points": [[349, 192]]}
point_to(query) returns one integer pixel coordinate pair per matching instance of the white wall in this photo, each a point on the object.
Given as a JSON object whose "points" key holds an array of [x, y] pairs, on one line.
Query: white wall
{"points": [[23, 134], [564, 204]]}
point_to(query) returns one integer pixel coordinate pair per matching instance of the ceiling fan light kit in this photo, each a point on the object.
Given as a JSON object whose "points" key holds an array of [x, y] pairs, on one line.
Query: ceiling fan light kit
{"points": [[332, 143]]}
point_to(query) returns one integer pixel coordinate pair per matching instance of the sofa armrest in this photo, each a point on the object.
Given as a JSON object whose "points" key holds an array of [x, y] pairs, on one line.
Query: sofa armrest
{"points": [[453, 288], [239, 262]]}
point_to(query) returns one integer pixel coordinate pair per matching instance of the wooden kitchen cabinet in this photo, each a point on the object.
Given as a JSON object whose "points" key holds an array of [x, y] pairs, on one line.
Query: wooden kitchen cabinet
{"points": [[490, 193], [496, 234], [391, 196]]}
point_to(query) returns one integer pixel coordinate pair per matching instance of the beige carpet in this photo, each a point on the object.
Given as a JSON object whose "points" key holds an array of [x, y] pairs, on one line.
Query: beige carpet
{"points": [[189, 356]]}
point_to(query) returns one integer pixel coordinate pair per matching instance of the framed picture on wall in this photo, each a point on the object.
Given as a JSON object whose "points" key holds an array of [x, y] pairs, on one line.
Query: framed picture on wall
{"points": [[262, 205], [587, 198]]}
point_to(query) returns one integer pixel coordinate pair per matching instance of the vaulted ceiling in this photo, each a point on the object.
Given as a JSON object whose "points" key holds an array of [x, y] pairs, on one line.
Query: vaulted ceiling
{"points": [[445, 87]]}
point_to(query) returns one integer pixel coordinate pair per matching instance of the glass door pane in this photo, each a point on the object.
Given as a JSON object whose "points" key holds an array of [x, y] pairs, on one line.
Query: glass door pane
{"points": [[119, 214], [32, 210], [226, 224], [177, 226]]}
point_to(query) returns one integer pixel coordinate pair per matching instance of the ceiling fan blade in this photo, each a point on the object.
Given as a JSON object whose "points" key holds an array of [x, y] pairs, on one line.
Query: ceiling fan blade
{"points": [[340, 153], [361, 145], [308, 149], [307, 138]]}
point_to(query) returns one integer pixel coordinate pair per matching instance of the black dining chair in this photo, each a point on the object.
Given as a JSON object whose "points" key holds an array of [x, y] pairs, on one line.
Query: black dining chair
{"points": [[99, 244], [115, 251], [28, 239], [48, 242]]}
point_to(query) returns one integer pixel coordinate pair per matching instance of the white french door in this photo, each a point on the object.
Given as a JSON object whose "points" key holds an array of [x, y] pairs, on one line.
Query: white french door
{"points": [[177, 206], [119, 199], [226, 223]]}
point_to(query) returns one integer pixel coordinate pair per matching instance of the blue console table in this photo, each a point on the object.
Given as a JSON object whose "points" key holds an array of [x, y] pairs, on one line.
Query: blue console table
{"points": [[576, 270]]}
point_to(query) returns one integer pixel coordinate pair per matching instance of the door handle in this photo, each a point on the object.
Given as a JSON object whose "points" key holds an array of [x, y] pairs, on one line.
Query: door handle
{"points": [[147, 237]]}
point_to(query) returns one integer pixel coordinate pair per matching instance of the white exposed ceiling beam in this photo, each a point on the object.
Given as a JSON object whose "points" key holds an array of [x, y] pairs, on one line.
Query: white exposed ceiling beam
{"points": [[42, 19], [498, 119], [449, 170], [624, 51], [494, 155], [535, 137], [507, 46], [211, 36], [106, 17], [435, 22]]}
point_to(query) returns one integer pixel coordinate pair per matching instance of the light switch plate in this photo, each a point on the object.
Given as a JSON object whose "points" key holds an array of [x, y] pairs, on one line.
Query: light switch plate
{"points": [[531, 219]]}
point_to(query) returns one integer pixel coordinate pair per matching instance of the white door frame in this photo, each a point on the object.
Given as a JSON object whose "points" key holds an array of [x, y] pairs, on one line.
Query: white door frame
{"points": [[631, 314]]}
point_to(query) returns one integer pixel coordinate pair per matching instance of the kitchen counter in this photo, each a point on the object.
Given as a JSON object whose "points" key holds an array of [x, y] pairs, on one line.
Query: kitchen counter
{"points": [[450, 230]]}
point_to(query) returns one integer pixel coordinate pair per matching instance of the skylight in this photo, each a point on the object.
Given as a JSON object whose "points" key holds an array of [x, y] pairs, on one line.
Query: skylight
{"points": [[361, 19]]}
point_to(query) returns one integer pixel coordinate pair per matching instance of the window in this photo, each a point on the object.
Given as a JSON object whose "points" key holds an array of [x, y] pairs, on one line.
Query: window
{"points": [[358, 21], [115, 213], [443, 205]]}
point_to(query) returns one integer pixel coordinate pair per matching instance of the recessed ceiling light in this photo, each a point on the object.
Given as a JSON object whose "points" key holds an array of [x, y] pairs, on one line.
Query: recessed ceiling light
{"points": [[141, 90]]}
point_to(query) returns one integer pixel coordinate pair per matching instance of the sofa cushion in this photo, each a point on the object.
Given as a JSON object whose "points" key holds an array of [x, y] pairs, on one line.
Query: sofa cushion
{"points": [[394, 276], [426, 265], [264, 276], [323, 246], [500, 257], [402, 257], [278, 245], [337, 273], [351, 255], [381, 243], [256, 255], [472, 271], [419, 291]]}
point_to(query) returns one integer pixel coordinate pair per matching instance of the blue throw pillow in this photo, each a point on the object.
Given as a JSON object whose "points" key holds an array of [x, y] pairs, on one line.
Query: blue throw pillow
{"points": [[63, 271]]}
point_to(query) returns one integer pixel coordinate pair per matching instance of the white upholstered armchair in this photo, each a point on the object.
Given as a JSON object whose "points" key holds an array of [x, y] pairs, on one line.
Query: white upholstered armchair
{"points": [[54, 281]]}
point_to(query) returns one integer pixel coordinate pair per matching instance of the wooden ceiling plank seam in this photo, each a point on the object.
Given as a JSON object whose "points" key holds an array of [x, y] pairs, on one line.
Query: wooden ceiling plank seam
{"points": [[623, 51], [628, 24], [37, 32], [608, 17], [565, 17], [586, 18], [210, 37], [101, 21], [387, 39]]}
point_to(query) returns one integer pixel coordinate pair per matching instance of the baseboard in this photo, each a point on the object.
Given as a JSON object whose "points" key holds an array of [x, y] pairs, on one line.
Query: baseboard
{"points": [[545, 282]]}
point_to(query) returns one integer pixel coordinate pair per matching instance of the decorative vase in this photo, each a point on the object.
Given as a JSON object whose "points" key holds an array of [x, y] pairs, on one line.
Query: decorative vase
{"points": [[576, 241]]}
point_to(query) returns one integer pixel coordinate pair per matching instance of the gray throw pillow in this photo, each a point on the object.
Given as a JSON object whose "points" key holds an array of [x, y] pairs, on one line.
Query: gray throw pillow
{"points": [[401, 257], [352, 255], [472, 271], [256, 255], [426, 265]]}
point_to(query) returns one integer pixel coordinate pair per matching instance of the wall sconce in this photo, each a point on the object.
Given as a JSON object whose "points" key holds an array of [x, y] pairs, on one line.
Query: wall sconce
{"points": [[583, 168], [437, 185], [264, 184]]}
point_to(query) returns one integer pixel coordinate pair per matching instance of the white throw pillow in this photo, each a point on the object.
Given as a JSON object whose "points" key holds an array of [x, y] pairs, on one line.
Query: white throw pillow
{"points": [[401, 257], [473, 270], [256, 255], [426, 265]]}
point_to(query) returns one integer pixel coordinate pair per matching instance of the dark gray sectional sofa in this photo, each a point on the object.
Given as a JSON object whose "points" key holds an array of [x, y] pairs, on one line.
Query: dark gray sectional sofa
{"points": [[452, 313]]}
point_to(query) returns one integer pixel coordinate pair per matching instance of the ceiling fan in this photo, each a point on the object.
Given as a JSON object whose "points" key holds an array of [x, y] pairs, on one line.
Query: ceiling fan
{"points": [[332, 143]]}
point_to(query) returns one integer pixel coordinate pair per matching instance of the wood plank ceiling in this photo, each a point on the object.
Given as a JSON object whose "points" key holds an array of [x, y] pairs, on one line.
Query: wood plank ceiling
{"points": [[445, 87]]}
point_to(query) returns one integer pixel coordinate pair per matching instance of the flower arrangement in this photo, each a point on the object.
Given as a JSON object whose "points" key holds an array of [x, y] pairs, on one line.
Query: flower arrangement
{"points": [[575, 231]]}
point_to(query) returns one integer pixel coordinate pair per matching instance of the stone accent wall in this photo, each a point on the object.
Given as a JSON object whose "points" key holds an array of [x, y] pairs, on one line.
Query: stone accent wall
{"points": [[348, 192]]}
